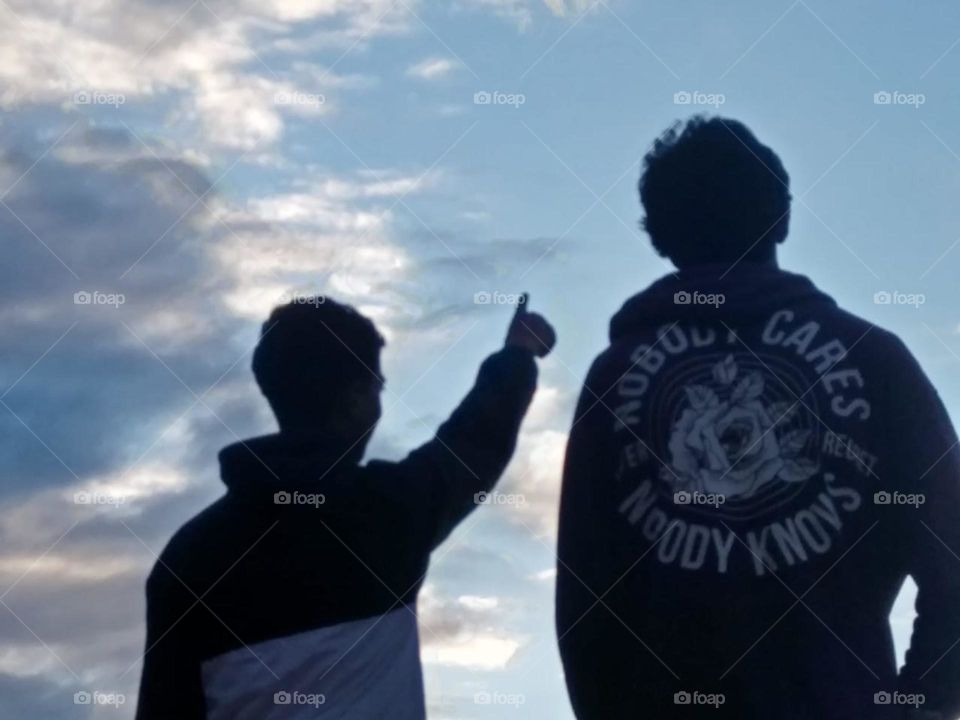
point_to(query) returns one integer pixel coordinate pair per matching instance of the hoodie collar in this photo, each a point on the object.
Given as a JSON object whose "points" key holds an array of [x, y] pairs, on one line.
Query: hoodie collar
{"points": [[715, 292], [285, 461]]}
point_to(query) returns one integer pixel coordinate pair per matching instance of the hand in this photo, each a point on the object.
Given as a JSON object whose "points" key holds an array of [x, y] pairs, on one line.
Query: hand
{"points": [[530, 330]]}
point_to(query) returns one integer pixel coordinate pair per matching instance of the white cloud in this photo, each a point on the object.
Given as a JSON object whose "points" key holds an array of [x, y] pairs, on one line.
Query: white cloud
{"points": [[468, 632], [475, 651], [478, 602], [520, 12], [334, 237], [563, 8], [221, 63], [546, 575], [433, 68], [516, 11]]}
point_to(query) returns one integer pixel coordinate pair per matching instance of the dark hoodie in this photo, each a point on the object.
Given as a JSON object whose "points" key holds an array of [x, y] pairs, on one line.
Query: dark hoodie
{"points": [[294, 595], [751, 475]]}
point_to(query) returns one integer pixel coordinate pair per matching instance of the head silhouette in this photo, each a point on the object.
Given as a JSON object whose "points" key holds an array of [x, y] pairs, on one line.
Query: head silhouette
{"points": [[713, 193], [318, 365]]}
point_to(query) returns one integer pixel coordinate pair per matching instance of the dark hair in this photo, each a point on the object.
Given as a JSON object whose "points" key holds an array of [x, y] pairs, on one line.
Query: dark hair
{"points": [[712, 192], [313, 349]]}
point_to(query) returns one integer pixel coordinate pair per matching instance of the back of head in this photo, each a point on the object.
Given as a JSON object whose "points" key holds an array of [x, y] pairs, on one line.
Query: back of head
{"points": [[312, 353], [712, 193]]}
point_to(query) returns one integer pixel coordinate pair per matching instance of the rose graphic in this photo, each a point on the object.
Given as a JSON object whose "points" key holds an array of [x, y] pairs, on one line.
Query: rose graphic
{"points": [[737, 445]]}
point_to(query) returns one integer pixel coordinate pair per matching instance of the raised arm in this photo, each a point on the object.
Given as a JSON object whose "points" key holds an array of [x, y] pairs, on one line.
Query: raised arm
{"points": [[471, 449]]}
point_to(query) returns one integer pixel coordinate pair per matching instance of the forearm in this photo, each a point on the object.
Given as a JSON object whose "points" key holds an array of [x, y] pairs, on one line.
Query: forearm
{"points": [[472, 448], [485, 425]]}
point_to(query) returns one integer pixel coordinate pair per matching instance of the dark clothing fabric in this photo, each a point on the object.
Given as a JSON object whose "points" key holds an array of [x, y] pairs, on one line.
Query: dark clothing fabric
{"points": [[307, 539], [751, 475]]}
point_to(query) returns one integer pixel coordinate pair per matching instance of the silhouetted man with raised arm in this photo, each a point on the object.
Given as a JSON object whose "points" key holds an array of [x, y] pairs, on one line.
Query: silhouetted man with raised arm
{"points": [[294, 595], [751, 475]]}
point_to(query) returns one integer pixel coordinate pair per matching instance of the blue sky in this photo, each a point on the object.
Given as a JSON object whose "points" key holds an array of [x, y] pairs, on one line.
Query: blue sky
{"points": [[205, 160]]}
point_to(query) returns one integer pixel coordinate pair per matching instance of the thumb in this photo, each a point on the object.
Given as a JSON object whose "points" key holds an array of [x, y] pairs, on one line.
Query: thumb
{"points": [[521, 308]]}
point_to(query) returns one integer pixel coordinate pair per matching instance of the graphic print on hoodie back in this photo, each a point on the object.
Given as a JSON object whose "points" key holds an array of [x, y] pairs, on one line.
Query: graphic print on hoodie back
{"points": [[734, 504], [734, 434]]}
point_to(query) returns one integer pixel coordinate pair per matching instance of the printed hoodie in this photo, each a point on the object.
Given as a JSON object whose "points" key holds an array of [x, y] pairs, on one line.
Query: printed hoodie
{"points": [[294, 595], [751, 475]]}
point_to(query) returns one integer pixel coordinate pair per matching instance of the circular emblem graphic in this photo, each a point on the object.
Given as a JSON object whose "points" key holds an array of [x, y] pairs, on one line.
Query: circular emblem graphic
{"points": [[739, 430]]}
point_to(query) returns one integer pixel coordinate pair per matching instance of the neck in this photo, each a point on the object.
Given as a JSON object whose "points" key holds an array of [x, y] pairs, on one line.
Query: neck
{"points": [[326, 433], [766, 259]]}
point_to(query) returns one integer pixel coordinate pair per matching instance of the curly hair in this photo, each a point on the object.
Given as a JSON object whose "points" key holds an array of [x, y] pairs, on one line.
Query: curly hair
{"points": [[712, 192]]}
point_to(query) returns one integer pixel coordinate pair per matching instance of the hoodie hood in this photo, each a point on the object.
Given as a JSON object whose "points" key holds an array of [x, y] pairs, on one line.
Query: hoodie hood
{"points": [[715, 292], [262, 466]]}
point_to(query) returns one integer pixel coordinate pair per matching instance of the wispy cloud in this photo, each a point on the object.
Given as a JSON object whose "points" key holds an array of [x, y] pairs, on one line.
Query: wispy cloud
{"points": [[433, 68]]}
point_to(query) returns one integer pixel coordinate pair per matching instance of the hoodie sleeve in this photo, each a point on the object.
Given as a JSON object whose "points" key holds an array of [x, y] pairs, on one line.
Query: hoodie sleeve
{"points": [[584, 626], [928, 462], [170, 685], [471, 449]]}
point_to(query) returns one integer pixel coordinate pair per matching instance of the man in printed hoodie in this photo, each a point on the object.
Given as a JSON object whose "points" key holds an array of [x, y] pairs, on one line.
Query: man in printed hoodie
{"points": [[294, 595], [751, 475]]}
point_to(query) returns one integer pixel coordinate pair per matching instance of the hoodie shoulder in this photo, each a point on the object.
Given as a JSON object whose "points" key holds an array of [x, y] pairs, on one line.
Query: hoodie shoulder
{"points": [[879, 337], [189, 543]]}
